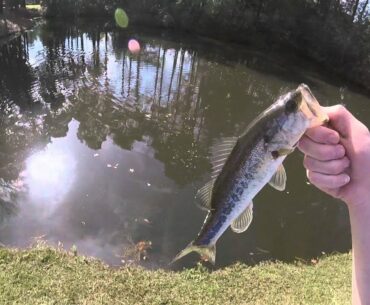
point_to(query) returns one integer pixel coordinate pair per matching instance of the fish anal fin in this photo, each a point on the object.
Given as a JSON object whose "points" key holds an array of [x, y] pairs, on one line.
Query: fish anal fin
{"points": [[206, 252], [243, 221], [278, 180], [204, 195]]}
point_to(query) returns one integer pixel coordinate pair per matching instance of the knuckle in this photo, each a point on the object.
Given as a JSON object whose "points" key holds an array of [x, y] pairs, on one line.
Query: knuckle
{"points": [[341, 108]]}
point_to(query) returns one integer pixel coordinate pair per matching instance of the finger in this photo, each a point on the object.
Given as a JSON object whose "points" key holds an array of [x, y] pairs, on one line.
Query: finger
{"points": [[322, 152], [332, 167], [333, 192], [324, 135], [323, 181], [340, 119]]}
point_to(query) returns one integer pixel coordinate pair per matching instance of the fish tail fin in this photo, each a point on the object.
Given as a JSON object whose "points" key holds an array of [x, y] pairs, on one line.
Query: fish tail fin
{"points": [[207, 252]]}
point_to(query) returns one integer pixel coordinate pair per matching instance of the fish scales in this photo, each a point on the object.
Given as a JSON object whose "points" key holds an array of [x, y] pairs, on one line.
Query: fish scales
{"points": [[255, 160], [246, 183]]}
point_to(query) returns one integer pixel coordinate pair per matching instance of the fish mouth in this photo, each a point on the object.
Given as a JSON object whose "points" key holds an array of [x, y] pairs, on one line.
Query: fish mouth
{"points": [[311, 107]]}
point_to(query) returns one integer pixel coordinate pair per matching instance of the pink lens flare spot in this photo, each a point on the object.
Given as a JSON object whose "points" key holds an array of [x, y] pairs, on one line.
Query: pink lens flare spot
{"points": [[134, 46]]}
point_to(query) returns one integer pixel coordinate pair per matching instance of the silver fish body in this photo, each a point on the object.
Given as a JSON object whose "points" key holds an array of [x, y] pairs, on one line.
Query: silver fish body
{"points": [[255, 159]]}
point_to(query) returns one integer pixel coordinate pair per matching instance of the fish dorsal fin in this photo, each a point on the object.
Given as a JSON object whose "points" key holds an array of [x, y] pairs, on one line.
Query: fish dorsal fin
{"points": [[243, 221], [220, 152], [204, 195], [278, 180]]}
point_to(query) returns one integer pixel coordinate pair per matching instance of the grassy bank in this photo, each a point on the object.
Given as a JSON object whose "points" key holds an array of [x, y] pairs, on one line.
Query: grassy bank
{"points": [[47, 276]]}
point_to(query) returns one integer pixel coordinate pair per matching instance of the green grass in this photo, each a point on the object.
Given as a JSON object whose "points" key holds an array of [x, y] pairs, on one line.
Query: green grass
{"points": [[33, 7], [49, 276]]}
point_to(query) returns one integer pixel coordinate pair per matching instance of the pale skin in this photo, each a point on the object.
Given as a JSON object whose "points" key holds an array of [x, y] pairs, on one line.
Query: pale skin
{"points": [[337, 159]]}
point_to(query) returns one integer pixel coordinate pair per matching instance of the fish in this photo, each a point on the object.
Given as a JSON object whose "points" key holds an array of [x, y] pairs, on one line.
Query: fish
{"points": [[243, 165]]}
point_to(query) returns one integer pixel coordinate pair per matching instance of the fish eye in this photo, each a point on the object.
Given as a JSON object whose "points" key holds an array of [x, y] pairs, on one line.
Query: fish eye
{"points": [[291, 106]]}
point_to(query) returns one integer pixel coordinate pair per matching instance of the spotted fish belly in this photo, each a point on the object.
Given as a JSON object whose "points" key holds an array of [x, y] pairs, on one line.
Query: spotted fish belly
{"points": [[248, 181]]}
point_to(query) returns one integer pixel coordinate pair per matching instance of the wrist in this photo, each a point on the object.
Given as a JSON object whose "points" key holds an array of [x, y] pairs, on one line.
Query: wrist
{"points": [[359, 206], [358, 199]]}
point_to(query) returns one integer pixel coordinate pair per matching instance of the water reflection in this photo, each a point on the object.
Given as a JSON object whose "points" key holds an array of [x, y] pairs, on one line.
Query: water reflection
{"points": [[105, 150], [50, 174]]}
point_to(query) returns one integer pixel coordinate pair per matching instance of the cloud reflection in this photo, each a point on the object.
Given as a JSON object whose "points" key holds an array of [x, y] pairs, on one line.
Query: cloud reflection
{"points": [[49, 175]]}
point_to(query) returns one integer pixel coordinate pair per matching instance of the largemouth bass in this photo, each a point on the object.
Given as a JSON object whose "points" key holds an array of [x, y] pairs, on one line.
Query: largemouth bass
{"points": [[243, 166]]}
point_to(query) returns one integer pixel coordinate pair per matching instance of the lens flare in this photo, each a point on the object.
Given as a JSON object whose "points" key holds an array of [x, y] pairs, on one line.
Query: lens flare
{"points": [[134, 46], [121, 18]]}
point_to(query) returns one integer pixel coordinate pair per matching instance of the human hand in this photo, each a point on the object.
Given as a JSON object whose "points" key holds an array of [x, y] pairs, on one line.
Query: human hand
{"points": [[337, 159]]}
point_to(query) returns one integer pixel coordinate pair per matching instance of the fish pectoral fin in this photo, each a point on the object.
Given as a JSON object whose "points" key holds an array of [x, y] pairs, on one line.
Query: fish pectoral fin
{"points": [[207, 252], [204, 195], [243, 221], [282, 152], [278, 180]]}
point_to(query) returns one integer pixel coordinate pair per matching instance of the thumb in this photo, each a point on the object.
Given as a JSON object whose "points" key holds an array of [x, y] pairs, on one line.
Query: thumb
{"points": [[340, 119]]}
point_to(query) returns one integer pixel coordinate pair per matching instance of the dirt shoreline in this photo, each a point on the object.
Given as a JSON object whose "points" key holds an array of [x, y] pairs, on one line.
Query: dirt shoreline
{"points": [[15, 22]]}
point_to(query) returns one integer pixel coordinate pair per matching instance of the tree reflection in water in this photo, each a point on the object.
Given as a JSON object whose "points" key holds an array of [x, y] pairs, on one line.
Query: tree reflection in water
{"points": [[164, 107]]}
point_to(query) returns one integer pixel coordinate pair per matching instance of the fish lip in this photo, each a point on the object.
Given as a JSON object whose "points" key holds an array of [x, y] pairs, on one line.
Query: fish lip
{"points": [[311, 107]]}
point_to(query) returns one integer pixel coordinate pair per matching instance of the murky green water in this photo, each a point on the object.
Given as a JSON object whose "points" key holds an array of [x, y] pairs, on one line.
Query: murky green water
{"points": [[103, 149]]}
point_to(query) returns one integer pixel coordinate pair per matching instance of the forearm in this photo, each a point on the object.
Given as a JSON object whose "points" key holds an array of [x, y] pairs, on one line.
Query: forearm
{"points": [[360, 228]]}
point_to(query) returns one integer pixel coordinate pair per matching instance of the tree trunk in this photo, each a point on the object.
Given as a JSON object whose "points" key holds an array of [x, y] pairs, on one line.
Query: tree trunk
{"points": [[259, 10], [361, 16], [337, 6], [161, 77], [173, 73], [325, 7], [355, 9], [137, 88]]}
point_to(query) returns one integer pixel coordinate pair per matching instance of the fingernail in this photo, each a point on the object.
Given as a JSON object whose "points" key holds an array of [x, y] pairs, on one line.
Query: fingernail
{"points": [[346, 179]]}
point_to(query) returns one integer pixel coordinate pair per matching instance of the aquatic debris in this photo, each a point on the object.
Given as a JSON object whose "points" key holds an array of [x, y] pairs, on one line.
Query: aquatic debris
{"points": [[121, 18], [74, 250], [131, 170], [137, 252], [96, 155], [134, 46], [243, 165], [145, 221]]}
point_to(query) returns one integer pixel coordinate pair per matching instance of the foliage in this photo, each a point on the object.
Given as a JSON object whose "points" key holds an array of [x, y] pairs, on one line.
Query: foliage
{"points": [[325, 30], [47, 276]]}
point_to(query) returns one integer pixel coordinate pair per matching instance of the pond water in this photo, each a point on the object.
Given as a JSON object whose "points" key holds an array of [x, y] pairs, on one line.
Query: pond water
{"points": [[103, 151]]}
